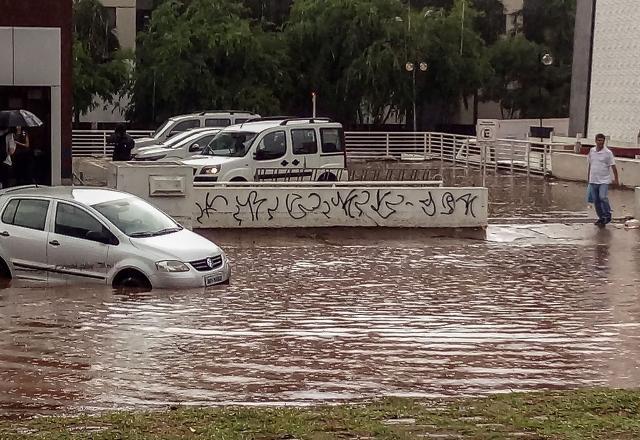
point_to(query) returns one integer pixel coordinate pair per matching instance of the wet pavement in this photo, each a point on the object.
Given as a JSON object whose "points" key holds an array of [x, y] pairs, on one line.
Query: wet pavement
{"points": [[340, 317]]}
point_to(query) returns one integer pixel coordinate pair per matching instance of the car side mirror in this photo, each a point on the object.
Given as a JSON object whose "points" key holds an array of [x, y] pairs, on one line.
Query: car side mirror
{"points": [[195, 147], [99, 236]]}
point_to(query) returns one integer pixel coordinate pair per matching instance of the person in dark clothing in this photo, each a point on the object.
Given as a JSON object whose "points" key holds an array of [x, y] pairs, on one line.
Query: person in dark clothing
{"points": [[7, 149], [122, 144], [23, 166]]}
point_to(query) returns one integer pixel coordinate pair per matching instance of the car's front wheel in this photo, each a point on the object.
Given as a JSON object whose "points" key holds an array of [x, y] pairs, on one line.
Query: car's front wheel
{"points": [[131, 279]]}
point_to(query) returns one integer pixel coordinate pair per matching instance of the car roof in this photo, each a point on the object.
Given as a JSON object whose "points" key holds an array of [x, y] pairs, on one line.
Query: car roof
{"points": [[82, 194], [213, 113], [261, 125]]}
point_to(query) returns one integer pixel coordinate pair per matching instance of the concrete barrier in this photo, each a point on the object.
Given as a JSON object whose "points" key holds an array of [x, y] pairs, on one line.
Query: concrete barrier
{"points": [[344, 204], [166, 185], [570, 166], [637, 210]]}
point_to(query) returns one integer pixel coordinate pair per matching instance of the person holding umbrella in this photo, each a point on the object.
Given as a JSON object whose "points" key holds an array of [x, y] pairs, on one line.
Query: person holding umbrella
{"points": [[11, 120], [7, 149]]}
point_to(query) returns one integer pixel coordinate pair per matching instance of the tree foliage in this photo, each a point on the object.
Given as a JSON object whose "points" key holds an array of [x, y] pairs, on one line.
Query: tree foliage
{"points": [[353, 54], [100, 68], [201, 55]]}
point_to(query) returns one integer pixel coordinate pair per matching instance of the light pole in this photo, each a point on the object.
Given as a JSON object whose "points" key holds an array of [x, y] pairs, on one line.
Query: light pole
{"points": [[545, 61], [410, 67]]}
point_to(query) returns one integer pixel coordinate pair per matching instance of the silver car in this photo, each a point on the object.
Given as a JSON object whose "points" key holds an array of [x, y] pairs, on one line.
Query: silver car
{"points": [[103, 236]]}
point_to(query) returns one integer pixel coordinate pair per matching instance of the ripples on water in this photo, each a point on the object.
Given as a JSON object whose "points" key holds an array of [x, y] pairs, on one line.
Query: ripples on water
{"points": [[327, 323]]}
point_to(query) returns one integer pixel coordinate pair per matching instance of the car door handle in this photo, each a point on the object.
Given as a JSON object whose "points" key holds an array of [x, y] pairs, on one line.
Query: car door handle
{"points": [[54, 243], [4, 234]]}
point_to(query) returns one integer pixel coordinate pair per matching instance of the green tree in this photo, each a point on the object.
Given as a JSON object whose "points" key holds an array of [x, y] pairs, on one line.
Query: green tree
{"points": [[353, 53], [200, 55], [100, 68], [522, 84]]}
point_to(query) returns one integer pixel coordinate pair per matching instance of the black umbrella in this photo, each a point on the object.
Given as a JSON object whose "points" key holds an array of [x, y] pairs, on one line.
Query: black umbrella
{"points": [[19, 118]]}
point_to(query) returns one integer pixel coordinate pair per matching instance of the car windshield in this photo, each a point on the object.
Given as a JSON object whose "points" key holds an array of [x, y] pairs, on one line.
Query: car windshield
{"points": [[230, 144], [174, 140], [137, 218], [161, 128]]}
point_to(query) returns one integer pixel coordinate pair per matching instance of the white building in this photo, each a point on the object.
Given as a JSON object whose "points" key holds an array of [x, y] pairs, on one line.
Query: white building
{"points": [[605, 89]]}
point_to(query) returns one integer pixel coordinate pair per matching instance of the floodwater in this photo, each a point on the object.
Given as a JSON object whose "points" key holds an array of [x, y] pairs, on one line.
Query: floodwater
{"points": [[511, 196], [343, 317]]}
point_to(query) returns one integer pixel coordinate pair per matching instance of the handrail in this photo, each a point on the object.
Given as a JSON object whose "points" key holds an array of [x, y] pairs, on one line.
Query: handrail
{"points": [[530, 156]]}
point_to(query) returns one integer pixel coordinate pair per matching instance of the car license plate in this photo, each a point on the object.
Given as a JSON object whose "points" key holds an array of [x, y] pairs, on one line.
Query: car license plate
{"points": [[210, 280]]}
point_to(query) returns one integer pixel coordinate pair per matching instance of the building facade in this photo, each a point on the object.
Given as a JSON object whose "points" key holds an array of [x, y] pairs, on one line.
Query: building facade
{"points": [[605, 88], [35, 74]]}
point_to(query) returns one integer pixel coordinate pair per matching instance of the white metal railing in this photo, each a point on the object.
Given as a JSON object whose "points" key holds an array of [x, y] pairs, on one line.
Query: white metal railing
{"points": [[514, 155], [94, 142], [505, 154]]}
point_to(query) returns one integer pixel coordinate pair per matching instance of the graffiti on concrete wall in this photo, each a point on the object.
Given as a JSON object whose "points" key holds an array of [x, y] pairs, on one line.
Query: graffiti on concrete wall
{"points": [[254, 206]]}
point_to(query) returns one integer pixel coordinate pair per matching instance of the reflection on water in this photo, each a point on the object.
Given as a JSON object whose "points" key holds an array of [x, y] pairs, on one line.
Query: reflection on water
{"points": [[516, 195], [317, 323]]}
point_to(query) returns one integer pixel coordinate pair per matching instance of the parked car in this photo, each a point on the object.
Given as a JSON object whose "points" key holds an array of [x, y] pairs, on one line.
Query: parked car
{"points": [[102, 236], [167, 142], [309, 149], [178, 124], [185, 147]]}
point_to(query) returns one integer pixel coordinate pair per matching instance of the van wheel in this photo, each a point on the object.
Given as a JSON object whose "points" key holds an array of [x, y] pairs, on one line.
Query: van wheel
{"points": [[238, 179], [328, 177], [131, 279]]}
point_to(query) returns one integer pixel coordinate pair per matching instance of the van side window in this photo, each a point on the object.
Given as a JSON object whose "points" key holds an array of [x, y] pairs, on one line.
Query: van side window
{"points": [[184, 126], [331, 140], [272, 146], [26, 213], [304, 141], [217, 122], [75, 222]]}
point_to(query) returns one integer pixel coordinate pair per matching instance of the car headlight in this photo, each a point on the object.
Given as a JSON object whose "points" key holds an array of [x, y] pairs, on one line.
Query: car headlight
{"points": [[210, 170], [172, 266]]}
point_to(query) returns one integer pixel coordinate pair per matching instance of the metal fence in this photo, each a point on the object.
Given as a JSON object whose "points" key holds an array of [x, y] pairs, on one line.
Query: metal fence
{"points": [[87, 143], [530, 157]]}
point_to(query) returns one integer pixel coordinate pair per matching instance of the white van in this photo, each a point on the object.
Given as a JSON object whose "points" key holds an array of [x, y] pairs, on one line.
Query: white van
{"points": [[274, 149], [178, 124]]}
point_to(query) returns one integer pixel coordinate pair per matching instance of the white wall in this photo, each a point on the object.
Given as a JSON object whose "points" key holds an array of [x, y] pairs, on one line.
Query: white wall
{"points": [[519, 128], [569, 166], [614, 107], [284, 206]]}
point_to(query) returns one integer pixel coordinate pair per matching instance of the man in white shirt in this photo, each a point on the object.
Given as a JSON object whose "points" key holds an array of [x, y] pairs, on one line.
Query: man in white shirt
{"points": [[601, 164]]}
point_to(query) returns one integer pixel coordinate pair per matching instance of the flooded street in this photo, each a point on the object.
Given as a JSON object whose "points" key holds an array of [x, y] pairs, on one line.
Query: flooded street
{"points": [[315, 322], [345, 316]]}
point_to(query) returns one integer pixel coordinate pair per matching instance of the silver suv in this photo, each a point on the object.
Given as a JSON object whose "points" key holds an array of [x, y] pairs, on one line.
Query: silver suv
{"points": [[103, 236], [178, 124]]}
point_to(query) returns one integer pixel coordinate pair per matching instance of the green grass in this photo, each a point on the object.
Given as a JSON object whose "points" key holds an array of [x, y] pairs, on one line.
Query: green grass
{"points": [[585, 414]]}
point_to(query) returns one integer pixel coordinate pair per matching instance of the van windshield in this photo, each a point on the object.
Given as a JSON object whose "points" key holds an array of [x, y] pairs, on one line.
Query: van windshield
{"points": [[230, 144], [162, 128]]}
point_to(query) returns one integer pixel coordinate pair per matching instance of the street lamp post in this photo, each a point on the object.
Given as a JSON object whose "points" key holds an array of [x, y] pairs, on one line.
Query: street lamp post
{"points": [[410, 67], [546, 60]]}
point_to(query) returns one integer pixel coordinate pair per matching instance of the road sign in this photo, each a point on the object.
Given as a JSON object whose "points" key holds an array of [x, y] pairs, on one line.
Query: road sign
{"points": [[487, 130]]}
